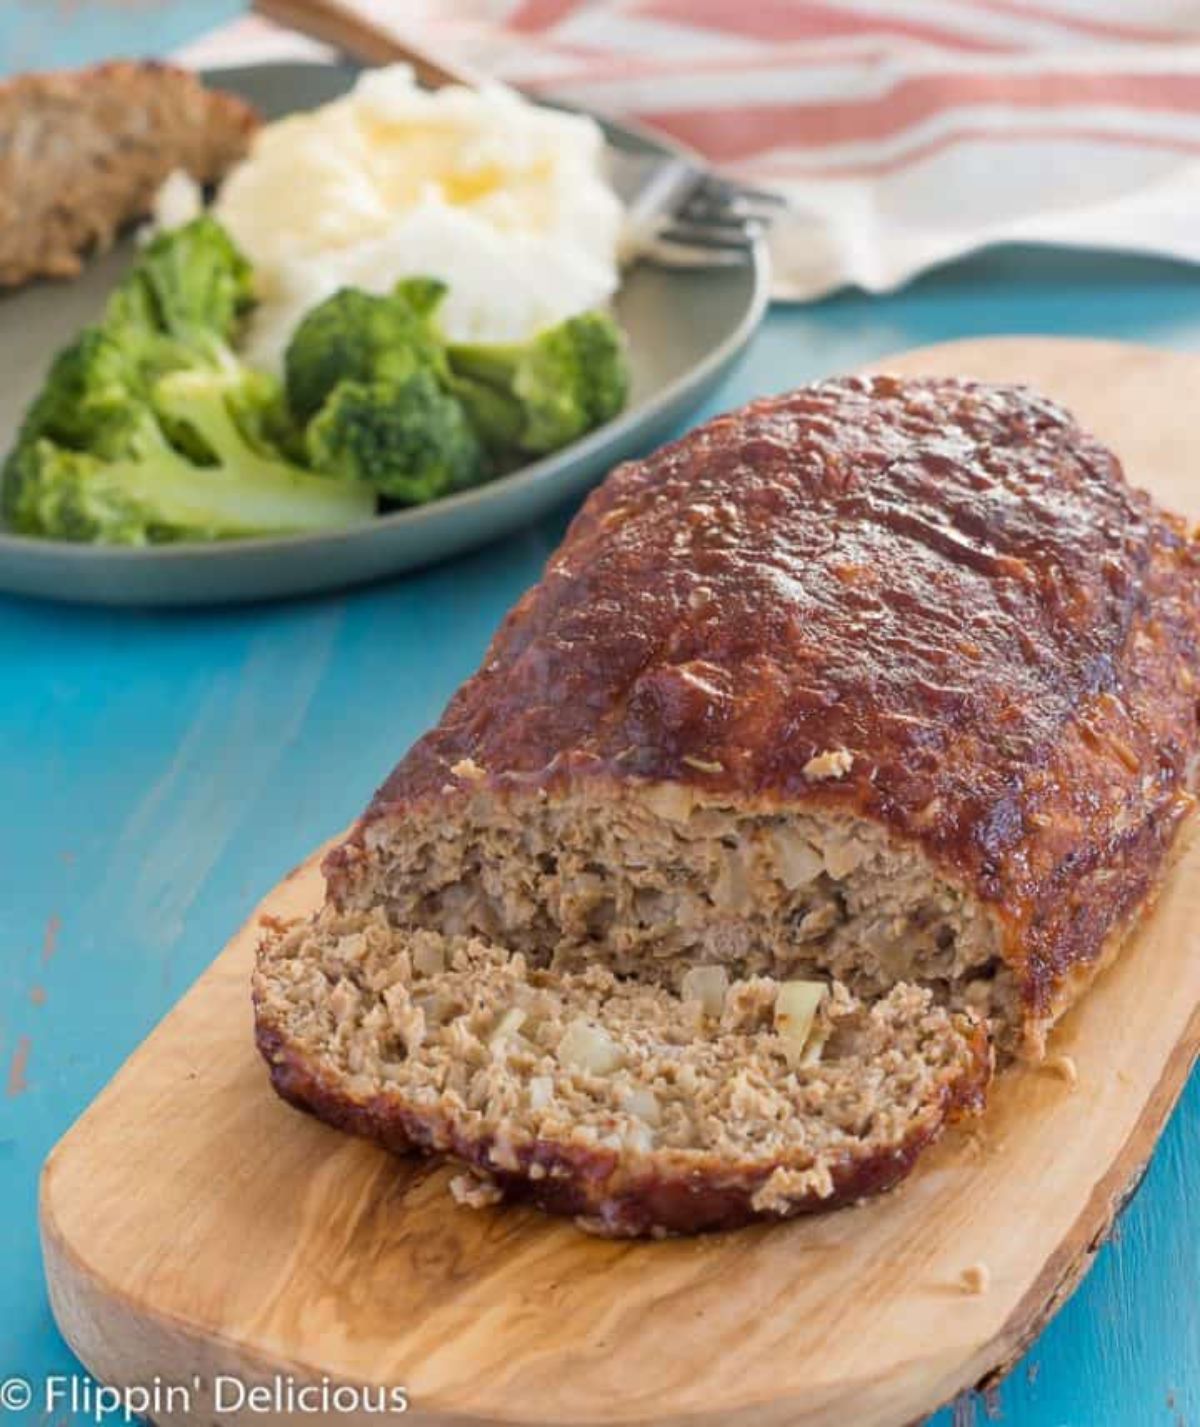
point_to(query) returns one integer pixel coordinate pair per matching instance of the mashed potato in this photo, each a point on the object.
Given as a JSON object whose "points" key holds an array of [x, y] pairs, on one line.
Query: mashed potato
{"points": [[505, 201]]}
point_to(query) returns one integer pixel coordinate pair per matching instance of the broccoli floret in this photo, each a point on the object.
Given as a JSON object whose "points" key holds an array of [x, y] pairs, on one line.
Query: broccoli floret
{"points": [[67, 495], [93, 399], [521, 399], [261, 413], [408, 439], [363, 337], [495, 417], [89, 396], [155, 323], [368, 374], [150, 429], [424, 295], [552, 389], [191, 284], [152, 492]]}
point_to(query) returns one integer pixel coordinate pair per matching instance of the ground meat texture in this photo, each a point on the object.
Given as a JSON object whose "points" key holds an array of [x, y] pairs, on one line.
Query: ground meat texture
{"points": [[943, 592], [885, 685], [635, 1109], [83, 153]]}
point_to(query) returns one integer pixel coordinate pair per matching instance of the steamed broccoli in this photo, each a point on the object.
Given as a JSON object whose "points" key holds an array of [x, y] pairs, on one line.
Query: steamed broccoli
{"points": [[90, 395], [495, 417], [368, 374], [94, 399], [190, 284], [152, 492], [149, 428], [408, 439], [362, 337], [519, 399], [538, 395]]}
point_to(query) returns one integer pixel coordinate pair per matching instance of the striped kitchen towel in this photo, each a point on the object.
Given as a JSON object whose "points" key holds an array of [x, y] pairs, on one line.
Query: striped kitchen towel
{"points": [[903, 132]]}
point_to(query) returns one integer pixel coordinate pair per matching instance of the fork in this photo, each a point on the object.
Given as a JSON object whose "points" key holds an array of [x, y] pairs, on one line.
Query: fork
{"points": [[679, 213]]}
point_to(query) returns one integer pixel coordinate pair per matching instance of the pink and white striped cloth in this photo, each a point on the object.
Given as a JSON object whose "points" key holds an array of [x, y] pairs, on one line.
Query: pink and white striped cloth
{"points": [[903, 132]]}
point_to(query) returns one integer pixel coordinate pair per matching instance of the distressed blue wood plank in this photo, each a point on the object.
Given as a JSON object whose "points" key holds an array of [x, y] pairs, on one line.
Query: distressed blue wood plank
{"points": [[159, 771], [46, 34]]}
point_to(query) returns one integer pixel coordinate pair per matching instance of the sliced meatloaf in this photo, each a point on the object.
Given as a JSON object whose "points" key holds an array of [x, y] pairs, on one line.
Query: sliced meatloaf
{"points": [[612, 1098], [862, 718], [83, 153]]}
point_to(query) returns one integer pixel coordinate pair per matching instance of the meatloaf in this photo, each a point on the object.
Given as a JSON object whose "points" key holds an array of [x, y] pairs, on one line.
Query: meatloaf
{"points": [[83, 153], [838, 746]]}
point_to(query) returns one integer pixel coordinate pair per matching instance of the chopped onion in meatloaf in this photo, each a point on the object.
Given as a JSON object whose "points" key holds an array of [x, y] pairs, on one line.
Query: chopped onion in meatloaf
{"points": [[837, 749], [781, 1093]]}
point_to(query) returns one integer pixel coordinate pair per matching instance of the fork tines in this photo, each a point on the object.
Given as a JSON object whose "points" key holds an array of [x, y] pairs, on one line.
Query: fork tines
{"points": [[688, 217]]}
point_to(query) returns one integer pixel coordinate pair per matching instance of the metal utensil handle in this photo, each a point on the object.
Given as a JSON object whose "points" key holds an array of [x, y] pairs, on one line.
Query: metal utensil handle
{"points": [[336, 23]]}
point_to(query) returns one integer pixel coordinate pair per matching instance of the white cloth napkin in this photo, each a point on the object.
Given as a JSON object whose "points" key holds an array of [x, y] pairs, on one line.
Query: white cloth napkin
{"points": [[903, 132]]}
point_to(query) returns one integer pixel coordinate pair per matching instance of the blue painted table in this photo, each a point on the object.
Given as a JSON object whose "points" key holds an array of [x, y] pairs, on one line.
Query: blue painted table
{"points": [[159, 771]]}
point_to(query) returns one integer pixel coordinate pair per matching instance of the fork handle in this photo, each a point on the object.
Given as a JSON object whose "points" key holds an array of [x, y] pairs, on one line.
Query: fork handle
{"points": [[347, 29]]}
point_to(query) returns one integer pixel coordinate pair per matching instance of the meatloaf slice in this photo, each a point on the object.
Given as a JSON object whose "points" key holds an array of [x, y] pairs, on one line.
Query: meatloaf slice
{"points": [[83, 153], [636, 1109], [885, 685]]}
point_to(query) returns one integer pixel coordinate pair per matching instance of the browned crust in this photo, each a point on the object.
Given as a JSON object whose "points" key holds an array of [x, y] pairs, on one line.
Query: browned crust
{"points": [[595, 1185], [950, 580], [82, 154], [1079, 977]]}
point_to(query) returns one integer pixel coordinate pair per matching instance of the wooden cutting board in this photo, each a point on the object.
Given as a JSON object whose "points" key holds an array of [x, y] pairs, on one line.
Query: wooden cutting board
{"points": [[195, 1226]]}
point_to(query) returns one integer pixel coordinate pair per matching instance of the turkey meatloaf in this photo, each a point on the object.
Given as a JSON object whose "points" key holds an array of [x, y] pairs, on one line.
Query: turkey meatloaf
{"points": [[839, 744], [83, 152]]}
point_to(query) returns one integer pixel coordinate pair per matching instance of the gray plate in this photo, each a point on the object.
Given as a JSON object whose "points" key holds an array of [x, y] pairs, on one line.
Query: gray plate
{"points": [[685, 330]]}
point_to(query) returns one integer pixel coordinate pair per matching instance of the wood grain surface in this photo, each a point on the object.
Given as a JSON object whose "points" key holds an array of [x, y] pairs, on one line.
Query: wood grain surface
{"points": [[194, 1226]]}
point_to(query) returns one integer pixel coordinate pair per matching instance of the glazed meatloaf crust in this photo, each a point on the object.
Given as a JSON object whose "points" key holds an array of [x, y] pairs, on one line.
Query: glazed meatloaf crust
{"points": [[885, 689], [83, 153]]}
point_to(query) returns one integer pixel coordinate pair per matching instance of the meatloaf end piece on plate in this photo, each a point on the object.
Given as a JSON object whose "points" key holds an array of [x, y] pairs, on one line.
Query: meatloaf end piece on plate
{"points": [[840, 743], [82, 154]]}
